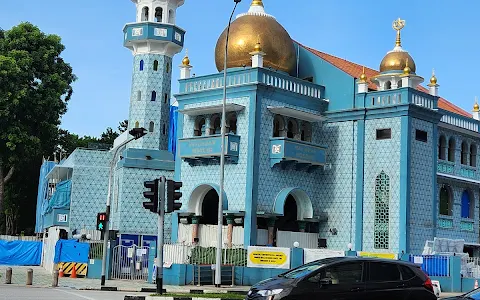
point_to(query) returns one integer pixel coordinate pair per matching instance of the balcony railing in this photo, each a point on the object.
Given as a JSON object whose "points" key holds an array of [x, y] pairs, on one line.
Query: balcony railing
{"points": [[250, 76], [397, 97], [459, 121], [301, 155], [207, 148], [451, 168]]}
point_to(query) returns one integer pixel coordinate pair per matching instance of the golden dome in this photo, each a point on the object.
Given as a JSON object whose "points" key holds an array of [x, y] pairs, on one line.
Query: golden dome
{"points": [[397, 61], [476, 107], [258, 47], [363, 77], [406, 70], [186, 61], [433, 79], [246, 31]]}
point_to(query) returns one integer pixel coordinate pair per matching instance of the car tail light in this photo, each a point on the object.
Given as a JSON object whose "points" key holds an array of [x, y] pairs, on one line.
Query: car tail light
{"points": [[428, 284]]}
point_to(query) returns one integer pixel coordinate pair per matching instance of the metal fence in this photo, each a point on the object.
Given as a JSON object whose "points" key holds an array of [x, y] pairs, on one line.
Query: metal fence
{"points": [[96, 249], [470, 267], [433, 265]]}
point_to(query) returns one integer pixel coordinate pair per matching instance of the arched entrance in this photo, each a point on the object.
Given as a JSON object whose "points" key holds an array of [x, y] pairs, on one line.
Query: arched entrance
{"points": [[210, 208], [208, 193], [288, 222], [289, 196]]}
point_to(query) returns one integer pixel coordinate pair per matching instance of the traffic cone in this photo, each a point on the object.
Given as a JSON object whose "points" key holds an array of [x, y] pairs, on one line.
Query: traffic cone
{"points": [[74, 271], [60, 273], [476, 284]]}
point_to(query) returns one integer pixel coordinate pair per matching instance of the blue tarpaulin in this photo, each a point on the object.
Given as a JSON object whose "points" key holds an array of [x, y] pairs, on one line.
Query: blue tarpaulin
{"points": [[61, 197], [71, 251], [47, 166], [20, 253], [172, 137]]}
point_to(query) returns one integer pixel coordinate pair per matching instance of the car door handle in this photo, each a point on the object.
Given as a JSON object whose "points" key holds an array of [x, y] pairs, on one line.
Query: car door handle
{"points": [[357, 289], [401, 285]]}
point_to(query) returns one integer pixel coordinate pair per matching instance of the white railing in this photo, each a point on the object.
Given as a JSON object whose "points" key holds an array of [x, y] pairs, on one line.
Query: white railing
{"points": [[459, 122], [470, 267], [423, 101], [270, 79], [388, 99]]}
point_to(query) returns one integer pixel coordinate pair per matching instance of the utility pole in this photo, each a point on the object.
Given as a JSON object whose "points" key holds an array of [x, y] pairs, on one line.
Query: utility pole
{"points": [[161, 215]]}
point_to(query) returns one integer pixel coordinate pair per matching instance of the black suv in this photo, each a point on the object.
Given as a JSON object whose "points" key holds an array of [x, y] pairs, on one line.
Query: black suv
{"points": [[348, 278]]}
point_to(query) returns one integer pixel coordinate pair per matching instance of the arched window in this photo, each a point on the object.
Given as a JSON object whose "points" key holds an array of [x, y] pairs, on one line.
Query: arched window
{"points": [[382, 211], [467, 205], [154, 96], [399, 84], [278, 126], [215, 127], [141, 65], [451, 149], [442, 147], [171, 16], [464, 153], [145, 14], [232, 123], [139, 95], [166, 98], [158, 14], [445, 201], [199, 129], [155, 65], [164, 129], [137, 125], [387, 85], [473, 155], [292, 129], [151, 126], [306, 132]]}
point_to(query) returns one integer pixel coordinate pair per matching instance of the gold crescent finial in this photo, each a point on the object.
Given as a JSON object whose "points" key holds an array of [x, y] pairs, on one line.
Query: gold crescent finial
{"points": [[363, 77], [398, 25], [186, 59], [433, 79], [476, 107], [257, 3], [407, 69]]}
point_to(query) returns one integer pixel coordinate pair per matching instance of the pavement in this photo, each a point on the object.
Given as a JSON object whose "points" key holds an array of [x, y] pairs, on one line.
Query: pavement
{"points": [[41, 278]]}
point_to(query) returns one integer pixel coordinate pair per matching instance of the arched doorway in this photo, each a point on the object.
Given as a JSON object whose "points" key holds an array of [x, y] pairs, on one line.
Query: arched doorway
{"points": [[210, 208], [288, 222]]}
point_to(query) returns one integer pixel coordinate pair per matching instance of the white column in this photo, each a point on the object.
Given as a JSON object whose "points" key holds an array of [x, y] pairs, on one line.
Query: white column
{"points": [[362, 87], [257, 59], [185, 72]]}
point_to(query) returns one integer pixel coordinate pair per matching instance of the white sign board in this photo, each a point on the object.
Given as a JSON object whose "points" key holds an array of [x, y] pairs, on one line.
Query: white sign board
{"points": [[418, 260], [62, 218], [310, 255], [130, 252], [268, 257]]}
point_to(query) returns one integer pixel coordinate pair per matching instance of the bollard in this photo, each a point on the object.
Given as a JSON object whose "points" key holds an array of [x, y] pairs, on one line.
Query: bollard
{"points": [[8, 276], [55, 279], [29, 276]]}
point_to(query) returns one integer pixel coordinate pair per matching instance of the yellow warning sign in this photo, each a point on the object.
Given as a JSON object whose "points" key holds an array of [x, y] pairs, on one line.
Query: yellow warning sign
{"points": [[268, 257], [377, 255]]}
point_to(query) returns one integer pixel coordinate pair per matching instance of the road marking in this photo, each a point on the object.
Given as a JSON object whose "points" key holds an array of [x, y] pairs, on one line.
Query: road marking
{"points": [[78, 295]]}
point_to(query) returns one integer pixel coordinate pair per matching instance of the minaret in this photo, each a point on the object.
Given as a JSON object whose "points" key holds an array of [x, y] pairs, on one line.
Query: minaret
{"points": [[153, 39]]}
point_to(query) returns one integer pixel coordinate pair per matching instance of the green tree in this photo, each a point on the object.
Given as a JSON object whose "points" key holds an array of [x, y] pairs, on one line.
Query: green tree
{"points": [[109, 136], [35, 86]]}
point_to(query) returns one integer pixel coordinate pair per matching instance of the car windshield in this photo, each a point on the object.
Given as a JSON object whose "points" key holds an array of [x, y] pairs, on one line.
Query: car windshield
{"points": [[303, 270], [475, 294]]}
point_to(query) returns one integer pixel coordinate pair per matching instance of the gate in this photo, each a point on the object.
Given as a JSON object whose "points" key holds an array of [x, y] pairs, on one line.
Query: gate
{"points": [[130, 262]]}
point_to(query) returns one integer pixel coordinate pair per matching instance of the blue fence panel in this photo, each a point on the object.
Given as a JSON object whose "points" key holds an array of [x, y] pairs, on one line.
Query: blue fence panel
{"points": [[20, 253], [433, 265]]}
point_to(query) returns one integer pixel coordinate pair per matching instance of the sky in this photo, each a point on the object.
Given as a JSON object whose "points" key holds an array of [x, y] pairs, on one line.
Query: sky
{"points": [[443, 35]]}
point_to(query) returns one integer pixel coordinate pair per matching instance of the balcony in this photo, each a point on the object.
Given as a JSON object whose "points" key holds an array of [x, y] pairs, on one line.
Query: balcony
{"points": [[298, 154], [152, 31], [459, 121], [459, 171], [204, 149], [56, 217], [397, 97]]}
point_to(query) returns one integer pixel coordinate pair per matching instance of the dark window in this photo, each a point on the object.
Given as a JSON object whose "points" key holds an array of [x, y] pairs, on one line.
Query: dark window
{"points": [[151, 127], [344, 273], [155, 65], [464, 154], [158, 14], [451, 149], [384, 134], [407, 273], [141, 65], [154, 96], [166, 98], [421, 135], [164, 130], [445, 202], [384, 272], [442, 148]]}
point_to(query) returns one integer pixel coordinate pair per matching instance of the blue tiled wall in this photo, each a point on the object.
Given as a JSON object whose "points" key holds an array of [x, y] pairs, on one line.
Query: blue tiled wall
{"points": [[382, 155], [422, 187], [144, 110]]}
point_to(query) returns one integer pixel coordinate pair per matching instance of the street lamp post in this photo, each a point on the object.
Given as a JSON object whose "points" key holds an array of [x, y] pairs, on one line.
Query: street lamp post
{"points": [[136, 134], [218, 270]]}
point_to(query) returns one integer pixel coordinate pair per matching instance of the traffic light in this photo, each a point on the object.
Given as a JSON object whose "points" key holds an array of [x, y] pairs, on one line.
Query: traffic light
{"points": [[173, 196], [138, 132], [151, 195], [101, 221]]}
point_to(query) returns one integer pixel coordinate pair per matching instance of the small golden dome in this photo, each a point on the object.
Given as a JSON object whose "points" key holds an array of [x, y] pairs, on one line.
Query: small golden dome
{"points": [[246, 31], [476, 107], [433, 80], [258, 47], [406, 70], [186, 61], [363, 77]]}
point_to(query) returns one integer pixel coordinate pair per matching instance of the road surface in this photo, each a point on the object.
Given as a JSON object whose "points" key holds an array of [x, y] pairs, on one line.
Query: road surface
{"points": [[9, 292]]}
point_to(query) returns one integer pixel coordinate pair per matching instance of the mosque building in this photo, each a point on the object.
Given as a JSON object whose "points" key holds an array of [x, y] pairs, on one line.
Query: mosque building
{"points": [[319, 150]]}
